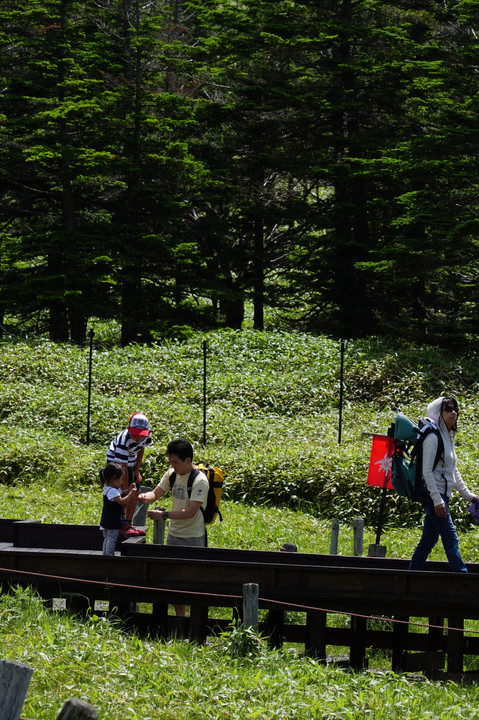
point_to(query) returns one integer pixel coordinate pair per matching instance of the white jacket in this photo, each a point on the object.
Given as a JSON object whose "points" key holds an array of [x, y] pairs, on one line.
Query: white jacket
{"points": [[445, 477]]}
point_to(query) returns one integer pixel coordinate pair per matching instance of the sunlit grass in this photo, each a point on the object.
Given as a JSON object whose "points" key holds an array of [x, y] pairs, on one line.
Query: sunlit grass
{"points": [[272, 421], [124, 677], [128, 678]]}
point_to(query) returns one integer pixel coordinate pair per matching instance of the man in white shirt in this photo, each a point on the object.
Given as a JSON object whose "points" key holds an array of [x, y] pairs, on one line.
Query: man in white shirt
{"points": [[189, 491]]}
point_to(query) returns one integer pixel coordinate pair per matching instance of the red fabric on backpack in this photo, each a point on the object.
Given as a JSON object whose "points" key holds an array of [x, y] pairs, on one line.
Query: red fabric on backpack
{"points": [[379, 473]]}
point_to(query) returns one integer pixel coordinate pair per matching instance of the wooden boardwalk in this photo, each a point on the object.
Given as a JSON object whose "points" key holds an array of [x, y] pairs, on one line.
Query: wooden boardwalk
{"points": [[378, 595]]}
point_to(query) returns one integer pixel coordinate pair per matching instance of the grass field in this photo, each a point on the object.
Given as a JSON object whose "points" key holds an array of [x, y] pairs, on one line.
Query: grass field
{"points": [[273, 426]]}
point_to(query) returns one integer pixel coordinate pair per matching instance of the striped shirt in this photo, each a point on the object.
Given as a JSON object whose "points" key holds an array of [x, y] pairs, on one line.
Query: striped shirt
{"points": [[123, 449]]}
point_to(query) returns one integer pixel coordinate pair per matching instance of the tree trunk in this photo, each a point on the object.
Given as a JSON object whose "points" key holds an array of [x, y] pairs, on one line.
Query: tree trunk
{"points": [[130, 311], [258, 270]]}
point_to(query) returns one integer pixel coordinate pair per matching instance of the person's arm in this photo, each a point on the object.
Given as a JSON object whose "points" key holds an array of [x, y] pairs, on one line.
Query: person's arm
{"points": [[123, 499], [136, 471], [152, 495], [124, 478], [429, 450], [186, 514], [462, 488]]}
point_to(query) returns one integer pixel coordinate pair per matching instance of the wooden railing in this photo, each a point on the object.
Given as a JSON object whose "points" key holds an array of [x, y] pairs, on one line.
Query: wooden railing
{"points": [[380, 597]]}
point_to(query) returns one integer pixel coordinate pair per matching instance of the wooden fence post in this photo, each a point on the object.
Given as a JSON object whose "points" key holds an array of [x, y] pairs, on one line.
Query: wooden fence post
{"points": [[334, 537], [250, 605], [77, 710], [139, 517], [358, 533], [159, 530], [14, 680]]}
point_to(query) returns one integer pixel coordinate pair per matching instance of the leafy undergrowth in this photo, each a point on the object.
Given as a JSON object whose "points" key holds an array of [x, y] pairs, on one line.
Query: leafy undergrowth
{"points": [[272, 418]]}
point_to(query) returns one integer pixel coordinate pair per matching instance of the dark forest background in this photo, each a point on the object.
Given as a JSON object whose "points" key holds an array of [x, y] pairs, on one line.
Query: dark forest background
{"points": [[166, 164]]}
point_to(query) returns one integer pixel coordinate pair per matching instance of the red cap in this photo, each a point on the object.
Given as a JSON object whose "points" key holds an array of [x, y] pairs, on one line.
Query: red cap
{"points": [[139, 425]]}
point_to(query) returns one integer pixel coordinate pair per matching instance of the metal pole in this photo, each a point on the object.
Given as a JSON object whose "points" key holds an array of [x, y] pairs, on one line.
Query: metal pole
{"points": [[341, 380], [381, 513], [91, 333], [204, 392]]}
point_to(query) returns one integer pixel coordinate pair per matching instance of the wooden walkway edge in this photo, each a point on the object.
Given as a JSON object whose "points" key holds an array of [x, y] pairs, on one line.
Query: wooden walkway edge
{"points": [[379, 597]]}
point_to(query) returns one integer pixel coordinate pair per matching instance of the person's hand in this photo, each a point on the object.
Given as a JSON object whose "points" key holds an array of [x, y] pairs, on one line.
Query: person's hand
{"points": [[142, 499], [440, 510], [155, 514]]}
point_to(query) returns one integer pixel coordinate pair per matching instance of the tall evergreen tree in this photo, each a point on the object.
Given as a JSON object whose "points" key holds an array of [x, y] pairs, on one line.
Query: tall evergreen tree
{"points": [[320, 159], [249, 143], [428, 264], [150, 125], [53, 102]]}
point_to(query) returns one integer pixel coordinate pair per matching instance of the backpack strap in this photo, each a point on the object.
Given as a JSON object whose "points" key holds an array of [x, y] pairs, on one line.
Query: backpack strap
{"points": [[440, 444], [189, 485], [191, 478]]}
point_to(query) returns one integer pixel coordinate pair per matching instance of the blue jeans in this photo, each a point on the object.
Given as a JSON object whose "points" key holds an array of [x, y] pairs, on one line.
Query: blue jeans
{"points": [[435, 527], [109, 541]]}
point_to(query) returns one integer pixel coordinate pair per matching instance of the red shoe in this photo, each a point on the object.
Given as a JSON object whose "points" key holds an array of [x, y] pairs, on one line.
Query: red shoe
{"points": [[133, 532], [127, 530]]}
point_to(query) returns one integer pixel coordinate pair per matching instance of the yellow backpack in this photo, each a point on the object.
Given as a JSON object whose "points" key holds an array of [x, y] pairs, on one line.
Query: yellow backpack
{"points": [[215, 478]]}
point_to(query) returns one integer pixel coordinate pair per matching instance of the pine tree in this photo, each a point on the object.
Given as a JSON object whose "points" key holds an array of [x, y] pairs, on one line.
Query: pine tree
{"points": [[53, 104]]}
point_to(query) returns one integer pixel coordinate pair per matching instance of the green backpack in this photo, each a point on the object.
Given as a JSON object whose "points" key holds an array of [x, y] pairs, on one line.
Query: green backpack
{"points": [[406, 464]]}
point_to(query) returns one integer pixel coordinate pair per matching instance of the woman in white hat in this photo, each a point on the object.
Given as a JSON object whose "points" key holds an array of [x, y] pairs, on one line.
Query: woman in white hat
{"points": [[441, 479]]}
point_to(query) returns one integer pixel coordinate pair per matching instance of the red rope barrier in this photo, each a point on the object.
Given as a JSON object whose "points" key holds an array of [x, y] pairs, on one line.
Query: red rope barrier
{"points": [[290, 606]]}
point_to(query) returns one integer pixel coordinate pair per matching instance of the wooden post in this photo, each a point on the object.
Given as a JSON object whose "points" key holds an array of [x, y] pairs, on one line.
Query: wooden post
{"points": [[455, 646], [358, 531], [400, 642], [334, 537], [436, 634], [14, 680], [78, 604], [159, 531], [357, 651], [159, 619], [139, 517], [275, 628], [315, 644], [77, 710], [199, 623], [250, 605]]}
